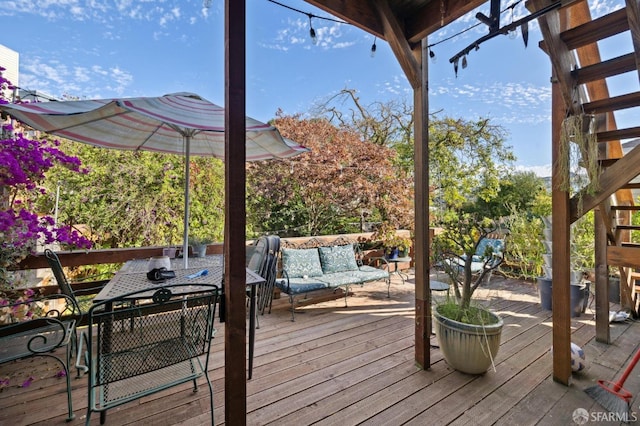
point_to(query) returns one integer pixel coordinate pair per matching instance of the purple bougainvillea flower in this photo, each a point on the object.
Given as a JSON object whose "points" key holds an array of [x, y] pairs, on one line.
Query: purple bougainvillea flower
{"points": [[61, 373], [27, 382]]}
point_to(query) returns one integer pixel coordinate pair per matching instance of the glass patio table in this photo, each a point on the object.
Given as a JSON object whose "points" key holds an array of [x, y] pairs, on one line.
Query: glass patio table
{"points": [[133, 277]]}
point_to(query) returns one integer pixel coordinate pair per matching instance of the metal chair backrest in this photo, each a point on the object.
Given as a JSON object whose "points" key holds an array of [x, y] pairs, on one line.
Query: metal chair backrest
{"points": [[169, 329], [58, 273], [258, 255], [269, 272]]}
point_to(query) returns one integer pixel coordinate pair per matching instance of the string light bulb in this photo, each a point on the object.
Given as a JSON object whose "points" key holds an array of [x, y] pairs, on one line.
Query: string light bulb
{"points": [[514, 32], [464, 61], [312, 32], [432, 55], [373, 48]]}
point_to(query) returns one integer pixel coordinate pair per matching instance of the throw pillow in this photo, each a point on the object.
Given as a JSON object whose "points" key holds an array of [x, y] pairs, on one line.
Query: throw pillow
{"points": [[338, 259], [301, 262]]}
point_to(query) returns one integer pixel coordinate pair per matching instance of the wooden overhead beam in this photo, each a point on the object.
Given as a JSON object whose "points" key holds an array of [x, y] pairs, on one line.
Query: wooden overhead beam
{"points": [[394, 35], [614, 177], [431, 17], [633, 16], [359, 13]]}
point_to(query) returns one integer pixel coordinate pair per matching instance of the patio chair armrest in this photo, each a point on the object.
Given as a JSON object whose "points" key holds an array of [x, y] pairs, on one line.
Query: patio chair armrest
{"points": [[380, 259], [285, 276]]}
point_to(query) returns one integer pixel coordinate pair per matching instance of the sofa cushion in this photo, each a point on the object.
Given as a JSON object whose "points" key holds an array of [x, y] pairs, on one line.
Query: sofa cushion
{"points": [[489, 246], [336, 279], [369, 273], [337, 259], [300, 285], [301, 262]]}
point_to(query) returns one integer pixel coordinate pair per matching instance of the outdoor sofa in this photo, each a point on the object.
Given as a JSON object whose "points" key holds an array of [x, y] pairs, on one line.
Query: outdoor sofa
{"points": [[316, 265]]}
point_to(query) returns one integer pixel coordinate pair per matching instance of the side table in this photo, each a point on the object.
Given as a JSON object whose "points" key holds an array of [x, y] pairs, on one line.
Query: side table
{"points": [[396, 271]]}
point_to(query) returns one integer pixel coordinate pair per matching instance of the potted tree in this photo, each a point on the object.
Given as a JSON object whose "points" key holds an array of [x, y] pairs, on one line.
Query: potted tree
{"points": [[468, 333]]}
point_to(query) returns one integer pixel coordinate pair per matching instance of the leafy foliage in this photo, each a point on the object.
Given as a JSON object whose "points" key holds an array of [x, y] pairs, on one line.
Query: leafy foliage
{"points": [[523, 257], [455, 245], [325, 190], [467, 160], [137, 198], [517, 191]]}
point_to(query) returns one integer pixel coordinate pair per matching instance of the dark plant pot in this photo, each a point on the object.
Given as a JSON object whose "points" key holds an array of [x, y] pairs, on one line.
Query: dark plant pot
{"points": [[393, 254], [544, 290], [614, 290], [579, 296]]}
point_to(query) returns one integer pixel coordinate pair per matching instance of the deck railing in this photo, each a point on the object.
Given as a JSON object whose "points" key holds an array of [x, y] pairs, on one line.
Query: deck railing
{"points": [[121, 255]]}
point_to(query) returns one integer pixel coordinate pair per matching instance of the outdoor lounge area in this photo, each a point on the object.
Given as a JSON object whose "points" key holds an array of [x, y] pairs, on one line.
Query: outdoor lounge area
{"points": [[355, 365]]}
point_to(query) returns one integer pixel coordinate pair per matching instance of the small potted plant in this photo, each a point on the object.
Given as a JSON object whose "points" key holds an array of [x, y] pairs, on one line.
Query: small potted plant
{"points": [[401, 244], [199, 245], [468, 333], [394, 245]]}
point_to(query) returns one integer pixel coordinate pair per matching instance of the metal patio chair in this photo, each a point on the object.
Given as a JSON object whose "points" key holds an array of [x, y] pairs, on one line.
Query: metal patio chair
{"points": [[168, 344]]}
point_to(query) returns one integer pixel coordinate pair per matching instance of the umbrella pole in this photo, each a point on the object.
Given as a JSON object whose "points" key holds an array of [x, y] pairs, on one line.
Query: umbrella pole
{"points": [[185, 237]]}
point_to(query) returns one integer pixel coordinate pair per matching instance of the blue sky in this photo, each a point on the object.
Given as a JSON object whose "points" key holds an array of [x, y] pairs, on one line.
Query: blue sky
{"points": [[102, 49]]}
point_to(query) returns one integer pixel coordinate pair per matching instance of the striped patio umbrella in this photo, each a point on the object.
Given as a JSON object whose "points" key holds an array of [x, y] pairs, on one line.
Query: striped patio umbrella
{"points": [[179, 123]]}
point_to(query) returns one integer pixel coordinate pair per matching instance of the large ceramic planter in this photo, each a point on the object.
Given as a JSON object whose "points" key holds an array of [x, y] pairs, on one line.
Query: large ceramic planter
{"points": [[468, 348]]}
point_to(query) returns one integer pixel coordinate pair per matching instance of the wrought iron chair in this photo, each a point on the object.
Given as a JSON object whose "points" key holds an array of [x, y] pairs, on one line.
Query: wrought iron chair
{"points": [[83, 302], [52, 326], [262, 259], [171, 330]]}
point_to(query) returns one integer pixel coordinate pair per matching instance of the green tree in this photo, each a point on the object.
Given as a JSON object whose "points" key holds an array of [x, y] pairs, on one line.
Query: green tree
{"points": [[518, 191], [467, 161], [133, 199]]}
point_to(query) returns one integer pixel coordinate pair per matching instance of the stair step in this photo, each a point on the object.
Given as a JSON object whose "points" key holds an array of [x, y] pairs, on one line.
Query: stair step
{"points": [[630, 245], [607, 162], [627, 208], [604, 69], [616, 135], [628, 227], [613, 103], [596, 29]]}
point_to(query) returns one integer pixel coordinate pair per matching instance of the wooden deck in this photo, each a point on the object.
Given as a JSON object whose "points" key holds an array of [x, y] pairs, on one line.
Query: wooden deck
{"points": [[355, 365]]}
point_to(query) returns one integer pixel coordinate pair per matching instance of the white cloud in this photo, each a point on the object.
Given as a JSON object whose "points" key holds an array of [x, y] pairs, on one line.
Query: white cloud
{"points": [[329, 35], [79, 81], [540, 171]]}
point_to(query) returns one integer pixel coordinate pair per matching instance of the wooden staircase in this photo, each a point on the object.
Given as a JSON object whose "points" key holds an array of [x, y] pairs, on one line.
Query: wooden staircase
{"points": [[571, 39]]}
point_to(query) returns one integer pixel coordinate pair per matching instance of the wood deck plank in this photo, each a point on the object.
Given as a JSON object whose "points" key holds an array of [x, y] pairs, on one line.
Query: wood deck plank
{"points": [[347, 366]]}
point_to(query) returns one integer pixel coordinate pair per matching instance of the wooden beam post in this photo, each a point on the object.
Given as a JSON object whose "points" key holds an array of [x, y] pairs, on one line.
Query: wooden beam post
{"points": [[561, 248], [421, 197], [235, 392], [602, 279]]}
